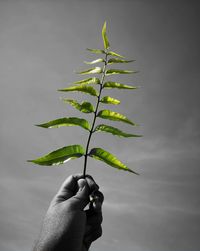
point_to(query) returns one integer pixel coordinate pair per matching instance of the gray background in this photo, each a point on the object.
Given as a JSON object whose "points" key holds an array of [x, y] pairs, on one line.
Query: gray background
{"points": [[42, 43]]}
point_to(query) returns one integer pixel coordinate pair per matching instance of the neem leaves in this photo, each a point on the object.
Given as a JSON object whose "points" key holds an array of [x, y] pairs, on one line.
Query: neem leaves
{"points": [[60, 156], [100, 84]]}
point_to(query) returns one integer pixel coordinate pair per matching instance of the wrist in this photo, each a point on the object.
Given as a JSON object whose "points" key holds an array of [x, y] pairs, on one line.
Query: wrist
{"points": [[61, 232]]}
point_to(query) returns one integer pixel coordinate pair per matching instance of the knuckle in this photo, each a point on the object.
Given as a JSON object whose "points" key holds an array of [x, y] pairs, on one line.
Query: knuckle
{"points": [[92, 184]]}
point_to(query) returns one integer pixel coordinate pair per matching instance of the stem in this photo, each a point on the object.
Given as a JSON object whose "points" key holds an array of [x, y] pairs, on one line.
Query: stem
{"points": [[95, 114]]}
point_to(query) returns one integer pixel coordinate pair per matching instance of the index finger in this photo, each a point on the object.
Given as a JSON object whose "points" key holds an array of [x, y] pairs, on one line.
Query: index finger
{"points": [[92, 184]]}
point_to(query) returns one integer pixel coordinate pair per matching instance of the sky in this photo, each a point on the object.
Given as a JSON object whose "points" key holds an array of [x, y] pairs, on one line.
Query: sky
{"points": [[42, 44]]}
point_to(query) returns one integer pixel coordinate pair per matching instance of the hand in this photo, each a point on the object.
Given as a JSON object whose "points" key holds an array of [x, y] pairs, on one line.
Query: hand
{"points": [[67, 226]]}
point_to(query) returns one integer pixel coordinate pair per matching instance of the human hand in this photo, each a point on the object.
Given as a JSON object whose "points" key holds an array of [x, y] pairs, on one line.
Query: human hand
{"points": [[67, 226]]}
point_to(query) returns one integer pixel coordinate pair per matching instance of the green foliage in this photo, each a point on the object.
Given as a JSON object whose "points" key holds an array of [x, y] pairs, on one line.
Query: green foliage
{"points": [[112, 53], [118, 71], [110, 85], [107, 114], [85, 107], [118, 60], [108, 158], [95, 70], [81, 88], [60, 156], [114, 131], [66, 153], [105, 38], [73, 121], [99, 60], [96, 51], [109, 100], [88, 81]]}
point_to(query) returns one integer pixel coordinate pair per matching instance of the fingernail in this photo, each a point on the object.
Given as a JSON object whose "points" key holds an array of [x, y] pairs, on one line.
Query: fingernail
{"points": [[81, 184]]}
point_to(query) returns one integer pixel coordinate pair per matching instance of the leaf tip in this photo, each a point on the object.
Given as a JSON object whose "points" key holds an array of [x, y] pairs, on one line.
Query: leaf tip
{"points": [[30, 160], [131, 171], [135, 173], [104, 24], [41, 125], [104, 36]]}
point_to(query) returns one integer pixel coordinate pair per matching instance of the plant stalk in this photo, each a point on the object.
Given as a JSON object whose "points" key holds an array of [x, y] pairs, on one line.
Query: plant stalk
{"points": [[95, 114]]}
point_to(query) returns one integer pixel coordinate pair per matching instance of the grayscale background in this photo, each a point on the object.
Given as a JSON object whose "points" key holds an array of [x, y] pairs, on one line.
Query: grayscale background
{"points": [[42, 44]]}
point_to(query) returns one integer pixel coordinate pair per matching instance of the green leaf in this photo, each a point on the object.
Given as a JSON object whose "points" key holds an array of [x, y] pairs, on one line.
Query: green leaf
{"points": [[108, 158], [85, 107], [99, 60], [60, 156], [112, 53], [96, 51], [117, 71], [118, 60], [71, 121], [109, 100], [107, 114], [109, 85], [114, 131], [105, 38], [88, 81], [81, 88], [95, 70]]}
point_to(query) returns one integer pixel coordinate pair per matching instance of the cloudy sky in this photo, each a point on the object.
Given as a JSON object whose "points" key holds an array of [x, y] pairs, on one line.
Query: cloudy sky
{"points": [[42, 44]]}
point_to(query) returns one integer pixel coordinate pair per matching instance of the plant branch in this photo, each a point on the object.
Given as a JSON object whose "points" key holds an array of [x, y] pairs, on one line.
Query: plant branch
{"points": [[95, 113]]}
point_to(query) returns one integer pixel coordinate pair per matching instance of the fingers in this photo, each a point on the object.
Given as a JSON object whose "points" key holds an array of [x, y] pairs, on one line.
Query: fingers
{"points": [[92, 184], [92, 236], [81, 198], [76, 191], [94, 214], [85, 187], [68, 188], [96, 200], [94, 219]]}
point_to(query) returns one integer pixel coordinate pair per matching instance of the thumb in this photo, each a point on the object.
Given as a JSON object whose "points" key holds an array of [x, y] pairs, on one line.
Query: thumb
{"points": [[81, 198]]}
